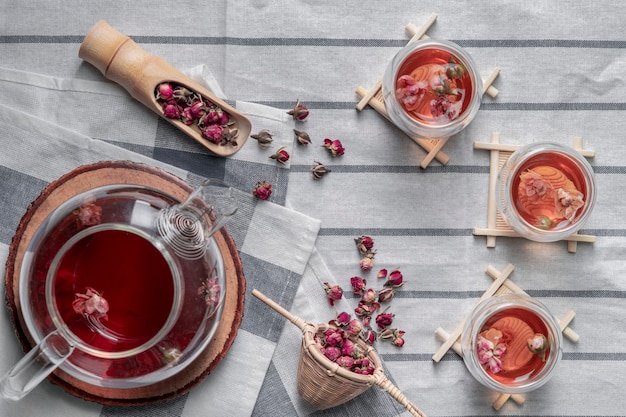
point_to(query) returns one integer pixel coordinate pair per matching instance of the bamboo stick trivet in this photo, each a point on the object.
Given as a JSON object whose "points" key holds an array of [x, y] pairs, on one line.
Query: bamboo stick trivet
{"points": [[501, 285], [323, 383], [374, 97], [496, 225]]}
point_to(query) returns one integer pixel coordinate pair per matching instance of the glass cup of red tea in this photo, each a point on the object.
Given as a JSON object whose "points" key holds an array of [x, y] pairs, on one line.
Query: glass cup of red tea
{"points": [[511, 343], [432, 89], [546, 191]]}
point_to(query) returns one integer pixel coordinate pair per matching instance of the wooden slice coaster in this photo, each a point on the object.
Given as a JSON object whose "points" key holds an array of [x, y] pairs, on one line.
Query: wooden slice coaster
{"points": [[125, 172]]}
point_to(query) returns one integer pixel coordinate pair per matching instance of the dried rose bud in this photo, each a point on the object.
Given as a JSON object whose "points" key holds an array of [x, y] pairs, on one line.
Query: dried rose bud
{"points": [[538, 344], [299, 111], [165, 92], [345, 361], [319, 170], [343, 319], [262, 190], [334, 147], [367, 263], [332, 352], [399, 340], [386, 294], [303, 138], [395, 279], [369, 336], [358, 285], [213, 133], [355, 327], [384, 320], [264, 137], [394, 335], [92, 304], [369, 296], [364, 244], [334, 337], [171, 110], [281, 155], [348, 347], [333, 293]]}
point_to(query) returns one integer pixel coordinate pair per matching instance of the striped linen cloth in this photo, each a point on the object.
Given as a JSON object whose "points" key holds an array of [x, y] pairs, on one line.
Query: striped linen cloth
{"points": [[561, 77]]}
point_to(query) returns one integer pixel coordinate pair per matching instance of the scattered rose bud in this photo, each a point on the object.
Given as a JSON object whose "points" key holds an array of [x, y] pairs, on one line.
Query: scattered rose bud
{"points": [[319, 170], [343, 319], [394, 335], [334, 147], [369, 296], [384, 320], [333, 293], [399, 340], [386, 294], [303, 138], [367, 263], [364, 244], [358, 285], [369, 336], [355, 327], [395, 279], [262, 190], [299, 111], [264, 137], [281, 155]]}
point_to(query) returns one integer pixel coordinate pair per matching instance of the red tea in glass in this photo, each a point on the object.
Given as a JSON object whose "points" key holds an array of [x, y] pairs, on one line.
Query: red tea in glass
{"points": [[549, 190], [130, 273], [433, 86], [515, 327]]}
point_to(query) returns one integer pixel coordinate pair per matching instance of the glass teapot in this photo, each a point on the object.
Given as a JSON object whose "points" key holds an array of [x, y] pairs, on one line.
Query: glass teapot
{"points": [[122, 286]]}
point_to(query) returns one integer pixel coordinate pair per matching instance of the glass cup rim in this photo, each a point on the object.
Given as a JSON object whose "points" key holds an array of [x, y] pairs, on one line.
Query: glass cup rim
{"points": [[510, 170], [397, 113], [485, 310], [63, 328]]}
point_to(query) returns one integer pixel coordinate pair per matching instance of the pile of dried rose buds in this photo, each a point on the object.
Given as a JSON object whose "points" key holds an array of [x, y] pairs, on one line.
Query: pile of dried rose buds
{"points": [[189, 107], [340, 346], [370, 301]]}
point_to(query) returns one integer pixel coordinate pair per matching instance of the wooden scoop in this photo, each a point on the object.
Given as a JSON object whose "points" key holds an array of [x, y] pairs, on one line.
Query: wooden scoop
{"points": [[121, 60]]}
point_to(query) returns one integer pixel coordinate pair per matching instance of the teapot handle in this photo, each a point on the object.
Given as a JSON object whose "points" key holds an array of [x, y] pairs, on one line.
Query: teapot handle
{"points": [[35, 366]]}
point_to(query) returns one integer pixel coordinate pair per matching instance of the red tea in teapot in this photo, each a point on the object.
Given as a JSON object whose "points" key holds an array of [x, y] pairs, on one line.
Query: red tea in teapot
{"points": [[114, 289]]}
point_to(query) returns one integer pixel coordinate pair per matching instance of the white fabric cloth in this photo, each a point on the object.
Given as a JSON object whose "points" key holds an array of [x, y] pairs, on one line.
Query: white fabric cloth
{"points": [[561, 76]]}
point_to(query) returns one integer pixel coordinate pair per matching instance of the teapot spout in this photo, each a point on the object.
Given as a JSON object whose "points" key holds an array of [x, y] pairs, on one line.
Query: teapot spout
{"points": [[35, 366]]}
